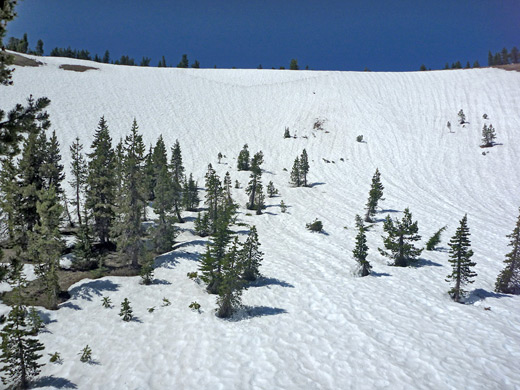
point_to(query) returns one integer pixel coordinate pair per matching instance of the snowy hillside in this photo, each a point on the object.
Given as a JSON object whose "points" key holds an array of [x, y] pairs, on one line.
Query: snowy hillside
{"points": [[309, 324]]}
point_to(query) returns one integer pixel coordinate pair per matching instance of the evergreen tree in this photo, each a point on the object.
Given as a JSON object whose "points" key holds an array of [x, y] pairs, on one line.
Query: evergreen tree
{"points": [[126, 310], [488, 136], [196, 64], [504, 56], [243, 159], [227, 188], [10, 197], [468, 66], [230, 286], [462, 117], [360, 252], [101, 182], [250, 257], [164, 232], [374, 196], [295, 173], [106, 57], [399, 242], [497, 59], [162, 63], [145, 61], [508, 281], [52, 169], [422, 68], [460, 255], [202, 225], [214, 257], [214, 197], [260, 199], [476, 64], [435, 239], [255, 182], [490, 59], [293, 65], [286, 133], [271, 191], [45, 244], [128, 228], [78, 168], [177, 170], [20, 350], [190, 195], [39, 48], [6, 14], [149, 175], [515, 58], [184, 62], [304, 168]]}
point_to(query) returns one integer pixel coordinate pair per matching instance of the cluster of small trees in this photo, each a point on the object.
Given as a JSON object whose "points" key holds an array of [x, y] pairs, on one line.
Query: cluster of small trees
{"points": [[504, 57], [254, 188], [300, 170]]}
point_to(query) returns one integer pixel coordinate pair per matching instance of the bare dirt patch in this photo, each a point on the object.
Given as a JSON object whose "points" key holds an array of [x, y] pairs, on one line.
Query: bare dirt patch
{"points": [[77, 68], [510, 67], [20, 60]]}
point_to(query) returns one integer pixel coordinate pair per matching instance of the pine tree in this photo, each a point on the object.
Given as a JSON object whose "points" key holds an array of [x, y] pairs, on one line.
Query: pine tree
{"points": [[126, 310], [505, 56], [508, 281], [184, 62], [435, 239], [243, 159], [488, 136], [177, 171], [149, 175], [132, 199], [293, 65], [476, 64], [227, 188], [6, 14], [460, 255], [214, 196], [462, 117], [255, 182], [78, 168], [101, 182], [190, 195], [250, 257], [147, 270], [202, 225], [106, 57], [196, 64], [39, 48], [490, 59], [271, 191], [515, 58], [230, 286], [10, 197], [295, 173], [213, 258], [45, 244], [286, 133], [374, 196], [304, 168], [399, 242], [360, 252], [20, 350]]}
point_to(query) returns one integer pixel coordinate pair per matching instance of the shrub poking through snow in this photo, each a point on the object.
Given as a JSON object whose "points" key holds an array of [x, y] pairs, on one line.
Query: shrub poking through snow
{"points": [[126, 310], [399, 241], [86, 354], [286, 133], [192, 275], [316, 226], [195, 306], [106, 302], [435, 239], [166, 302], [147, 268], [283, 206], [55, 357], [460, 256], [359, 138], [508, 280], [271, 191]]}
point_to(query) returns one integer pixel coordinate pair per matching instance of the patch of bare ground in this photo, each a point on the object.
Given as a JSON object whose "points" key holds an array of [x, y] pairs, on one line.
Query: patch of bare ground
{"points": [[20, 60], [510, 67], [77, 68]]}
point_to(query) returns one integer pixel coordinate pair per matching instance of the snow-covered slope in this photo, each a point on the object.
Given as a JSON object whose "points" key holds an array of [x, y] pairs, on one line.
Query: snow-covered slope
{"points": [[309, 324]]}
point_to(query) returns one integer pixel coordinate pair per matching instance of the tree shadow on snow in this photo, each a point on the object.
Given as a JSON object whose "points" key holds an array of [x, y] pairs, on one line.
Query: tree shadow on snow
{"points": [[46, 318], [264, 282], [186, 244], [480, 294], [89, 290], [426, 263], [379, 274], [71, 305], [312, 185], [248, 312], [160, 281], [390, 211], [171, 259], [52, 381]]}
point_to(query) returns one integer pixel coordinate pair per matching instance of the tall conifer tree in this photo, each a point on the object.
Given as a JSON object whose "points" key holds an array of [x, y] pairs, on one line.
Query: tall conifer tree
{"points": [[508, 281], [374, 196]]}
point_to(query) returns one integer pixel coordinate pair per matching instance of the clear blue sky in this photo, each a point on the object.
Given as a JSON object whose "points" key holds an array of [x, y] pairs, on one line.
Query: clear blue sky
{"points": [[382, 35]]}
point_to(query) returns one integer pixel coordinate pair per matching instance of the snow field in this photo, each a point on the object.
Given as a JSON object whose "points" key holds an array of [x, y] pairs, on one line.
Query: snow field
{"points": [[309, 324]]}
